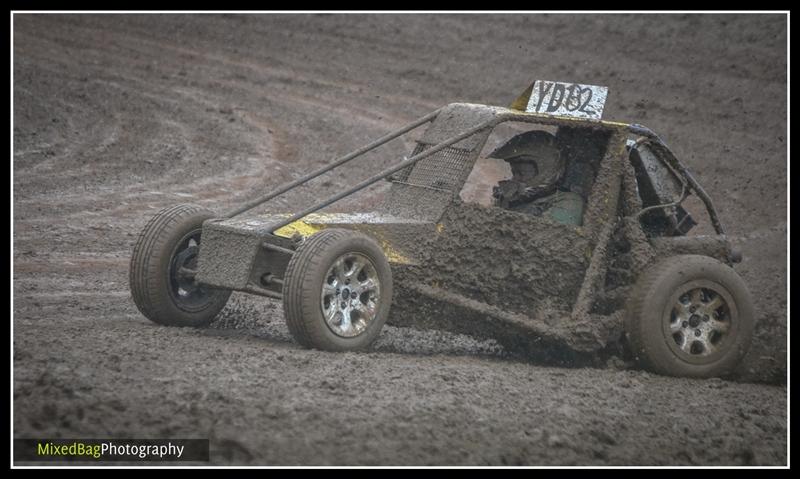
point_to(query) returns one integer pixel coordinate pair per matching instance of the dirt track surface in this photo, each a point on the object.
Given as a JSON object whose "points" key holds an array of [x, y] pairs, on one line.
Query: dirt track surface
{"points": [[119, 116]]}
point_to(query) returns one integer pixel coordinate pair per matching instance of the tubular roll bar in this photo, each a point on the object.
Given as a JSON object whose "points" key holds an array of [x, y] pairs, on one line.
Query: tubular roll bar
{"points": [[288, 186], [391, 170], [673, 161]]}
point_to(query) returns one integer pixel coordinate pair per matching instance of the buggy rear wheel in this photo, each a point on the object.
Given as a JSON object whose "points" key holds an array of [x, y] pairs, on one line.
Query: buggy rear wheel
{"points": [[337, 291], [690, 315], [163, 266]]}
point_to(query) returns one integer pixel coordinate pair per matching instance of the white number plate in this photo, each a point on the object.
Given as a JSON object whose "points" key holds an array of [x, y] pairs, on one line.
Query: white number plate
{"points": [[567, 99]]}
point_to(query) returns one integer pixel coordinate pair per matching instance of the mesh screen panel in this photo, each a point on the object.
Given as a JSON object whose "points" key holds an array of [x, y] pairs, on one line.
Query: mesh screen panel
{"points": [[446, 169]]}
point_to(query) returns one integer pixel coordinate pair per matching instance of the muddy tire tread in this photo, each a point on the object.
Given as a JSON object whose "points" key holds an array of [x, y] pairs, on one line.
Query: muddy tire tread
{"points": [[300, 299], [146, 286], [643, 292], [301, 261]]}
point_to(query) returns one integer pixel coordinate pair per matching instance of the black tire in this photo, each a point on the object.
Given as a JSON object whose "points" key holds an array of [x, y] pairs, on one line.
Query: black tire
{"points": [[170, 240], [305, 304], [690, 316]]}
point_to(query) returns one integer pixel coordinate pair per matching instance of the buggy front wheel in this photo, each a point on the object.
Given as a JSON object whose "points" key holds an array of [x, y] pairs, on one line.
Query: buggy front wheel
{"points": [[337, 291], [163, 266]]}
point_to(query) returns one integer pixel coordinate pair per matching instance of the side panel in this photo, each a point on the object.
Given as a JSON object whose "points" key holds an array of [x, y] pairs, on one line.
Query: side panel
{"points": [[520, 263]]}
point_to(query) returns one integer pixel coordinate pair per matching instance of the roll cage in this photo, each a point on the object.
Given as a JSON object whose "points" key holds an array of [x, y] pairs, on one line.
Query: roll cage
{"points": [[457, 130]]}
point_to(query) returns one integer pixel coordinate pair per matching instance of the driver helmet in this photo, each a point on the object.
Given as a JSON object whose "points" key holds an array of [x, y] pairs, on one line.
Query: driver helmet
{"points": [[535, 159]]}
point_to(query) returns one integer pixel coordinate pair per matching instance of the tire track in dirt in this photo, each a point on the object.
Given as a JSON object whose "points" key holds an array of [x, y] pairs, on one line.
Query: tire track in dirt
{"points": [[125, 201], [315, 106]]}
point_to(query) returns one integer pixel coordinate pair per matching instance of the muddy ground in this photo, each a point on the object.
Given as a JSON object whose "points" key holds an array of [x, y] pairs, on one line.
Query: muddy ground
{"points": [[118, 116]]}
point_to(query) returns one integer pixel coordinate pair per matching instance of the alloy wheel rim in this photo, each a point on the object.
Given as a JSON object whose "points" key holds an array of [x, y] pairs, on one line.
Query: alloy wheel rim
{"points": [[350, 295], [700, 321]]}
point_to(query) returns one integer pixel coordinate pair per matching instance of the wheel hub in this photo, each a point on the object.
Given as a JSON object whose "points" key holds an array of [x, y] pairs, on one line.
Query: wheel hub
{"points": [[350, 295], [186, 262], [185, 290], [700, 321]]}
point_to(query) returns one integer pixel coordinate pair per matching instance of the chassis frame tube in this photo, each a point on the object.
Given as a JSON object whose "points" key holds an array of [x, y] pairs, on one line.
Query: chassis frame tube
{"points": [[383, 174], [344, 159]]}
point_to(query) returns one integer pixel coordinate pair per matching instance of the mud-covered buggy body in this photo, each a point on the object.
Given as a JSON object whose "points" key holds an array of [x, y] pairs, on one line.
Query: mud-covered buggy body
{"points": [[530, 282]]}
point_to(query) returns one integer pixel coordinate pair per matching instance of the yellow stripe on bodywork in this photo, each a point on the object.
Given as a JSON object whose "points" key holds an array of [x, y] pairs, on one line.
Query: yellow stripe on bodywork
{"points": [[305, 230], [298, 227]]}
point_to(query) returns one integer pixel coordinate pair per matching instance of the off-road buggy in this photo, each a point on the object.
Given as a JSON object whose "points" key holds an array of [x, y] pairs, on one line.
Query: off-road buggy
{"points": [[629, 272]]}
